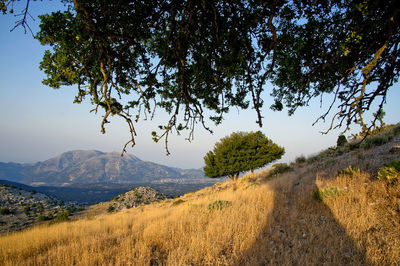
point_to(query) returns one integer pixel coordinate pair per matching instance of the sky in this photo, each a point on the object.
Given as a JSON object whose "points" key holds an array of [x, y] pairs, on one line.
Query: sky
{"points": [[38, 122]]}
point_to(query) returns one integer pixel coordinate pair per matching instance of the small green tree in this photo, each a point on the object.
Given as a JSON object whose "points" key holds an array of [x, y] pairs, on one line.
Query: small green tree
{"points": [[240, 152]]}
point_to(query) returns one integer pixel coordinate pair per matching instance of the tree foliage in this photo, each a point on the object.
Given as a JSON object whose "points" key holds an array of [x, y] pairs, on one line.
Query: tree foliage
{"points": [[186, 57], [240, 152]]}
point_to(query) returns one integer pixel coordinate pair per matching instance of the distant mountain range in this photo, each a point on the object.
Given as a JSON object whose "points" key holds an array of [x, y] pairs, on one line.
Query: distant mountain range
{"points": [[89, 176], [91, 166]]}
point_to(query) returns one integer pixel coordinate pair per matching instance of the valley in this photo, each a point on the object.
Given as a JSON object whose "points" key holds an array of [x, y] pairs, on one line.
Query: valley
{"points": [[88, 176]]}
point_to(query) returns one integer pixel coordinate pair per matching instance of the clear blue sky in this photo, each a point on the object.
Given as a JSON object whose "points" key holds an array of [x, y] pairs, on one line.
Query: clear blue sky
{"points": [[37, 122]]}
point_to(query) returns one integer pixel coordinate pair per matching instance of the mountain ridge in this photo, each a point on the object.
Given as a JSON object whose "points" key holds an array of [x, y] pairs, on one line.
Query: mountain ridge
{"points": [[93, 166]]}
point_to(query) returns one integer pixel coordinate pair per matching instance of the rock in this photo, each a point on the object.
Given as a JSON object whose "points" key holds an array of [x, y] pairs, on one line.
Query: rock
{"points": [[394, 149]]}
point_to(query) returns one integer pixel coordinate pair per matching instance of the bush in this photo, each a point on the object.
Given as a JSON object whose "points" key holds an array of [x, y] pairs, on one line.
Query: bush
{"points": [[300, 159], [62, 216], [314, 158], [317, 195], [218, 205], [374, 141], [341, 141], [279, 168], [43, 218], [327, 193], [110, 208], [5, 211], [394, 164], [354, 145], [177, 202], [388, 173], [72, 209], [349, 171]]}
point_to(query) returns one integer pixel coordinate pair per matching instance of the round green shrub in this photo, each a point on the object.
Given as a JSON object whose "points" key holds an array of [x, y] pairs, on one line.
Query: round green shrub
{"points": [[341, 141]]}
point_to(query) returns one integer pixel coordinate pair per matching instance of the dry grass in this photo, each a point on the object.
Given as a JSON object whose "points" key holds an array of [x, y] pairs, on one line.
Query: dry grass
{"points": [[267, 222]]}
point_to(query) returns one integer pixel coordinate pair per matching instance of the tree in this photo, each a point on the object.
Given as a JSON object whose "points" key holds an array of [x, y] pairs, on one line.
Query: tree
{"points": [[240, 152], [189, 56]]}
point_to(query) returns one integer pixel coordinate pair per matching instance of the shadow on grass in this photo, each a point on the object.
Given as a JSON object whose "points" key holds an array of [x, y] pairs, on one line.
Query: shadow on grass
{"points": [[301, 230]]}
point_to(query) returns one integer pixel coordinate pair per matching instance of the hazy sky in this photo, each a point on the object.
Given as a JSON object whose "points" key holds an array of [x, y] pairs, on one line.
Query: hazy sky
{"points": [[37, 122]]}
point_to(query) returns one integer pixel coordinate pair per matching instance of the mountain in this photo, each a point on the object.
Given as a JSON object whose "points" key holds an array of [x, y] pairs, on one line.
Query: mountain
{"points": [[91, 166], [90, 176]]}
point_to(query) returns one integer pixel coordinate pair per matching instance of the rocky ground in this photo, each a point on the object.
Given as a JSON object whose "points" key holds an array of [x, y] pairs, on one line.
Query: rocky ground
{"points": [[20, 208], [134, 198]]}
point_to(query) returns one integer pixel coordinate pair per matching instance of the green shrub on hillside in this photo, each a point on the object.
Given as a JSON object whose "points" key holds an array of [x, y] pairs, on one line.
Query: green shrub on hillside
{"points": [[394, 164], [388, 173], [43, 218], [313, 159], [375, 141], [5, 211], [279, 168], [300, 159], [341, 141], [327, 193], [318, 195], [110, 208], [349, 171], [218, 205], [62, 216]]}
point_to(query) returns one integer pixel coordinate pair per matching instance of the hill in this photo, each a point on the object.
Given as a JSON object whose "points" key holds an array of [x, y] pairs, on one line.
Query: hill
{"points": [[330, 208], [21, 208], [90, 166]]}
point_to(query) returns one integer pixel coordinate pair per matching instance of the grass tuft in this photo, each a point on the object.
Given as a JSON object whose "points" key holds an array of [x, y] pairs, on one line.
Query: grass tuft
{"points": [[218, 205]]}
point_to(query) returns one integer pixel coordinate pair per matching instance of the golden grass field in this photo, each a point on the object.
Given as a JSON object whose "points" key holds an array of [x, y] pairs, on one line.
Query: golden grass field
{"points": [[267, 221]]}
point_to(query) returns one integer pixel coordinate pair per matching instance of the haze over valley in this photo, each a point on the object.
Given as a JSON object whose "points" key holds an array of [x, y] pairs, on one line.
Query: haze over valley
{"points": [[89, 176]]}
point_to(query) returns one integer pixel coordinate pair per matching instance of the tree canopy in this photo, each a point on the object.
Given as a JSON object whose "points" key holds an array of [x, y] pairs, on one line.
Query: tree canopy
{"points": [[195, 58], [240, 152]]}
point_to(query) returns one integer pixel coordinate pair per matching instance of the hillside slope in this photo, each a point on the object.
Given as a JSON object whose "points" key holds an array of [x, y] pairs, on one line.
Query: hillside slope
{"points": [[21, 208], [318, 211]]}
